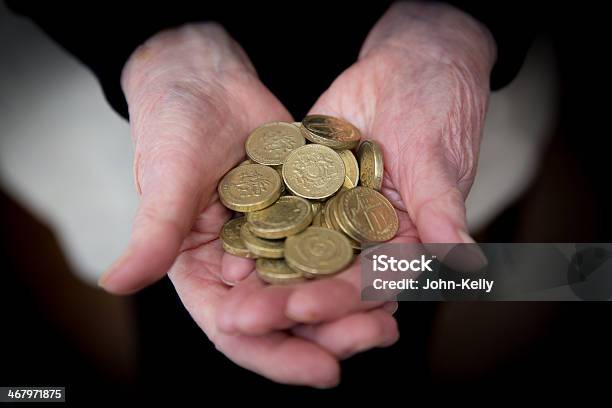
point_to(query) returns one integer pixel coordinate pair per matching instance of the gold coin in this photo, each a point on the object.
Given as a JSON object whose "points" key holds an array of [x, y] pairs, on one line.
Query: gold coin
{"points": [[288, 216], [249, 187], [298, 124], [351, 168], [276, 271], [334, 220], [327, 214], [330, 131], [322, 221], [271, 143], [332, 213], [313, 171], [370, 164], [264, 248], [231, 240], [318, 252], [367, 215]]}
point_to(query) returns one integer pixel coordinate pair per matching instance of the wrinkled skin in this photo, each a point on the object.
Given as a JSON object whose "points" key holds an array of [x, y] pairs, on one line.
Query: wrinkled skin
{"points": [[420, 88]]}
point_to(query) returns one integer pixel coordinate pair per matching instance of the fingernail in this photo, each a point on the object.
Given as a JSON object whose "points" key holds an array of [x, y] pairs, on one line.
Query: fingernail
{"points": [[466, 256], [103, 278], [111, 271], [227, 282], [107, 275]]}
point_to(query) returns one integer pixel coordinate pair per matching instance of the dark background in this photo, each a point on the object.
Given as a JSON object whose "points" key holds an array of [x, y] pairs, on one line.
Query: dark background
{"points": [[52, 332]]}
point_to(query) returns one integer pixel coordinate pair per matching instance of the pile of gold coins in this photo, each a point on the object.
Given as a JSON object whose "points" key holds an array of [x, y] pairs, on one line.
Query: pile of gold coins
{"points": [[308, 203]]}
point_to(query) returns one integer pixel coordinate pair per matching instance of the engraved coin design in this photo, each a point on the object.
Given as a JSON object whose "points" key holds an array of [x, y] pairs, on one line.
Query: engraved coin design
{"points": [[309, 199], [370, 164], [249, 187], [330, 131], [367, 215], [231, 240], [271, 143], [318, 252], [313, 171], [336, 223], [288, 216]]}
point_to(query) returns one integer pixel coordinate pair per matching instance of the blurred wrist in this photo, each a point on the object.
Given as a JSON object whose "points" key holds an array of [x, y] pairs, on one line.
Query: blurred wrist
{"points": [[437, 31], [191, 55], [147, 62]]}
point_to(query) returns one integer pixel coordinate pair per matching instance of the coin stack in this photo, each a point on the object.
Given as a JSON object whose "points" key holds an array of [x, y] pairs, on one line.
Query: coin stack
{"points": [[307, 203]]}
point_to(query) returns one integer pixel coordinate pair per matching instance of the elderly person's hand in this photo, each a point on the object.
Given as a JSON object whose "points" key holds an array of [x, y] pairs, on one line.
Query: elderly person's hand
{"points": [[420, 88], [193, 98]]}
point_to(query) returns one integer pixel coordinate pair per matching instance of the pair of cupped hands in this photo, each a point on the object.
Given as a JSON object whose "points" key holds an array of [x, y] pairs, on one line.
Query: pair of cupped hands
{"points": [[420, 88]]}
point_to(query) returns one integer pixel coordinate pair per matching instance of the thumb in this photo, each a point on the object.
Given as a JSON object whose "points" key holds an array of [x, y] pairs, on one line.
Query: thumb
{"points": [[171, 199], [437, 208]]}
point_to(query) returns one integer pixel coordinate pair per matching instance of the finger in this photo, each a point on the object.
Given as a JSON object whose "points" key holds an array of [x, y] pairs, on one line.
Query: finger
{"points": [[328, 299], [269, 308], [263, 311], [354, 333], [235, 269], [228, 309], [437, 206], [164, 217], [254, 308], [332, 298], [174, 180], [277, 356], [283, 358]]}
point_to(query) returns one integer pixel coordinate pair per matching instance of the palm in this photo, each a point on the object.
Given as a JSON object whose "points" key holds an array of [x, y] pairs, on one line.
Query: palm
{"points": [[200, 274], [427, 115], [198, 270], [427, 118], [427, 121], [193, 99]]}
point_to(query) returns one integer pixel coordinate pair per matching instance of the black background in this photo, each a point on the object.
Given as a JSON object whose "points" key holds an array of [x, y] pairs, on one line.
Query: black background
{"points": [[571, 355]]}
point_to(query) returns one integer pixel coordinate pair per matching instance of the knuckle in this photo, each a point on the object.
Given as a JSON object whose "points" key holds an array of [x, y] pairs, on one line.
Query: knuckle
{"points": [[209, 29]]}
